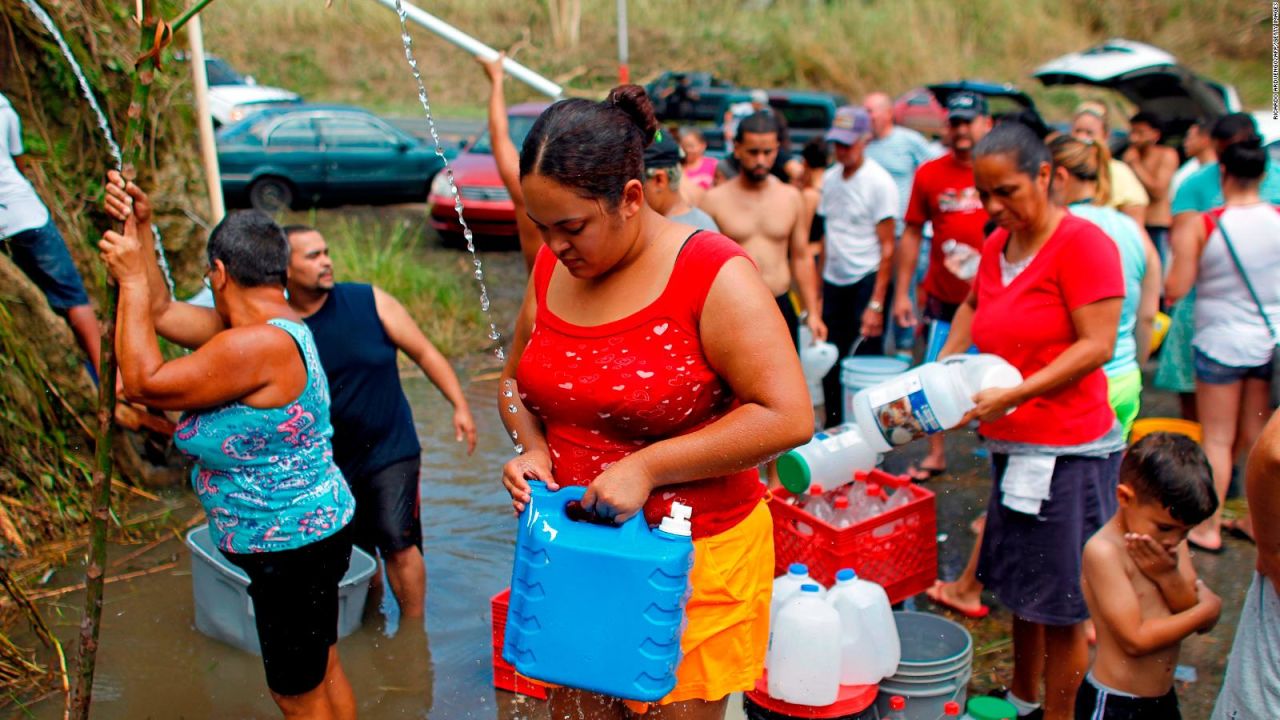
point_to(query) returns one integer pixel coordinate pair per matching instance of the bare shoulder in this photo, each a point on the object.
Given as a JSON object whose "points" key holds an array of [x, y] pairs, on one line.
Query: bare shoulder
{"points": [[249, 340], [1105, 548]]}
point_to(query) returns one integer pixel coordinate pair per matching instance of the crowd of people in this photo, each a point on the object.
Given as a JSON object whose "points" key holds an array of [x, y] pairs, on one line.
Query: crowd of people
{"points": [[654, 361]]}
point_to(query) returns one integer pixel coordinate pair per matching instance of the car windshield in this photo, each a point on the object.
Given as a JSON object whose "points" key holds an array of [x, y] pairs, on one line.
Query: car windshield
{"points": [[805, 117], [518, 128], [220, 73]]}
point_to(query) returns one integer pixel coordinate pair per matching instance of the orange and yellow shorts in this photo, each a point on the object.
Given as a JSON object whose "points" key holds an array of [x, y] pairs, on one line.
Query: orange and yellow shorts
{"points": [[727, 616]]}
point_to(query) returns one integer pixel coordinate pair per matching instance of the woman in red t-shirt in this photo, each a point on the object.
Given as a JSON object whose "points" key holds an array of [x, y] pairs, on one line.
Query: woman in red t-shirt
{"points": [[1046, 298], [645, 366]]}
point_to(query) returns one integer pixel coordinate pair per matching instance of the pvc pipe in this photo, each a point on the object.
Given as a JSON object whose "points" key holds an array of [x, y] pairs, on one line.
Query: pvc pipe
{"points": [[475, 47], [208, 150], [624, 68]]}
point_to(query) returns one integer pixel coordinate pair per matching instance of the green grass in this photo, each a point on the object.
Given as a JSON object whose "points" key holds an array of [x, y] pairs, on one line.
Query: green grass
{"points": [[391, 250], [851, 46]]}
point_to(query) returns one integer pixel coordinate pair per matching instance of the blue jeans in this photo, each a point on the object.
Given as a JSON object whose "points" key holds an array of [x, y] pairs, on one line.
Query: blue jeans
{"points": [[43, 256]]}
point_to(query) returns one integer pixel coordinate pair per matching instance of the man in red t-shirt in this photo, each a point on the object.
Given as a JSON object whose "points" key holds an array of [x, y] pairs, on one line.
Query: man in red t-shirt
{"points": [[943, 194]]}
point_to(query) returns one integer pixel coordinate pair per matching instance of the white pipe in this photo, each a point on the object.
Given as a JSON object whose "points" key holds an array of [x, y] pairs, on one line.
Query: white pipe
{"points": [[475, 47], [624, 69], [208, 150]]}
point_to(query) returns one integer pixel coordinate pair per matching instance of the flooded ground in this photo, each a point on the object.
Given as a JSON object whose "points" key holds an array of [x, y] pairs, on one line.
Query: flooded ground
{"points": [[153, 663]]}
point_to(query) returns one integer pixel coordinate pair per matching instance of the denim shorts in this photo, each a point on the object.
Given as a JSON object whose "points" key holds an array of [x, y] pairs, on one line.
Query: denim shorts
{"points": [[1212, 372], [43, 256]]}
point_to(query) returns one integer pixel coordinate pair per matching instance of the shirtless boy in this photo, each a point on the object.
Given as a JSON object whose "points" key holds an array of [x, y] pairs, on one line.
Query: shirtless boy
{"points": [[1154, 164], [1138, 581], [767, 218]]}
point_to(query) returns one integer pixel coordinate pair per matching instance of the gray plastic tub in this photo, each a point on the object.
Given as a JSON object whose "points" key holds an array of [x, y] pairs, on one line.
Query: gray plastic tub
{"points": [[224, 610], [936, 664]]}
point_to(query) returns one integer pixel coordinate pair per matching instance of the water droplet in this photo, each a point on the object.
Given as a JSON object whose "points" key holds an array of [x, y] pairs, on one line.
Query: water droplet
{"points": [[479, 274], [515, 435], [508, 393], [519, 449], [511, 408]]}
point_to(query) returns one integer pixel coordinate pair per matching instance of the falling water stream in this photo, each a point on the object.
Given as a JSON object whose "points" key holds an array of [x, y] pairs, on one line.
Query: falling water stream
{"points": [[494, 335], [103, 124]]}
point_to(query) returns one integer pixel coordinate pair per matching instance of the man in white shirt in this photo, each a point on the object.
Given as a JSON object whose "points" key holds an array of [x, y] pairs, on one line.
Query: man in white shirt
{"points": [[28, 235], [858, 210]]}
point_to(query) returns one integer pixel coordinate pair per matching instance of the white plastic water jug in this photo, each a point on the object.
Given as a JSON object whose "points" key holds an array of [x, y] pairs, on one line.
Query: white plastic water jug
{"points": [[864, 602], [816, 361], [927, 399], [804, 656], [830, 459], [784, 586]]}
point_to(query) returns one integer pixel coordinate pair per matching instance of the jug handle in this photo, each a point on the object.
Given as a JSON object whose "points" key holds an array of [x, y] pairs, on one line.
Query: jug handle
{"points": [[571, 496]]}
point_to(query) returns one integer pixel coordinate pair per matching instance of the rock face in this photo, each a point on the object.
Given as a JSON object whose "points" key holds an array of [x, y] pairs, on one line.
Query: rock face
{"points": [[49, 400]]}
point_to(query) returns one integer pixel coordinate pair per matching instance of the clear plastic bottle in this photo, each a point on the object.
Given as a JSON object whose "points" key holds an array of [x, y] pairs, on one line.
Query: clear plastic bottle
{"points": [[816, 504], [900, 497], [871, 503], [843, 514]]}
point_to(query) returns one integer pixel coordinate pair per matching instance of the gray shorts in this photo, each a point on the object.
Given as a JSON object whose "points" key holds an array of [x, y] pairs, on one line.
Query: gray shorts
{"points": [[1251, 687]]}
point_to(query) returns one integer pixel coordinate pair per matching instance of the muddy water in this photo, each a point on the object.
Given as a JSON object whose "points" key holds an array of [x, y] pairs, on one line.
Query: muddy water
{"points": [[153, 663]]}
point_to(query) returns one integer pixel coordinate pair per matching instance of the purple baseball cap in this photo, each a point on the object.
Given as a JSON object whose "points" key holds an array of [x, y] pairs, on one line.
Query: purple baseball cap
{"points": [[852, 123]]}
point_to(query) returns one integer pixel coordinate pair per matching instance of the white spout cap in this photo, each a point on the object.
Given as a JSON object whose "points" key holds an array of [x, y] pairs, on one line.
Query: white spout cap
{"points": [[677, 523]]}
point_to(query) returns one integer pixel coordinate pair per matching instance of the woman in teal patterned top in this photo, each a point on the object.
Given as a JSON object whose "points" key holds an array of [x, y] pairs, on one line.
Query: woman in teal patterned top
{"points": [[256, 423]]}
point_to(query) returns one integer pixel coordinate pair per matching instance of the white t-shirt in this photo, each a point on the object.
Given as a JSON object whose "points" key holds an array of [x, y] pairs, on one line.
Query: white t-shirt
{"points": [[20, 207], [852, 209], [1229, 327]]}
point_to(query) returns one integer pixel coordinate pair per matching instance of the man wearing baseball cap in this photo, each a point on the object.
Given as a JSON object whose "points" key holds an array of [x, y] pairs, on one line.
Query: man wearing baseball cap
{"points": [[857, 210], [662, 176], [943, 194]]}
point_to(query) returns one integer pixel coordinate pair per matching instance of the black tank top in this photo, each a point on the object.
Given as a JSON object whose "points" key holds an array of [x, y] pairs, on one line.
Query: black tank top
{"points": [[372, 423]]}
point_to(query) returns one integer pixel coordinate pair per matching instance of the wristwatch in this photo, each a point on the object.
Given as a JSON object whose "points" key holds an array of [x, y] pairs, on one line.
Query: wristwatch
{"points": [[875, 306]]}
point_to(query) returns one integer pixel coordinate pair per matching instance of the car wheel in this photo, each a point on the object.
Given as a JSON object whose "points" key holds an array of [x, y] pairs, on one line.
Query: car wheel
{"points": [[271, 194]]}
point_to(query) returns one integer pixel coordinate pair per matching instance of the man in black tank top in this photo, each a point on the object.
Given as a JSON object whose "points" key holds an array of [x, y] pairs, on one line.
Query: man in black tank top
{"points": [[359, 330]]}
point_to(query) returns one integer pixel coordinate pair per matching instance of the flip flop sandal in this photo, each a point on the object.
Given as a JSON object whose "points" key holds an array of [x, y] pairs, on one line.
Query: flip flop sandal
{"points": [[921, 474], [1204, 549], [982, 611], [1232, 528]]}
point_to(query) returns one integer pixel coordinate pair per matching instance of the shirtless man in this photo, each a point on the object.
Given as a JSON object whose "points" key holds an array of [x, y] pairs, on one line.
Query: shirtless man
{"points": [[1139, 584], [1154, 164], [767, 218]]}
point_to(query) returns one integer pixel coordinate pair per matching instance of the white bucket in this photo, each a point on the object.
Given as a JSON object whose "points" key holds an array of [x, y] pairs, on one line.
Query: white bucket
{"points": [[863, 371]]}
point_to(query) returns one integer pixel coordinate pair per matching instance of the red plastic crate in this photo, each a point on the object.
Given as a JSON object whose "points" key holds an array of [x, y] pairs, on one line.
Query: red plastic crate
{"points": [[897, 550], [505, 677]]}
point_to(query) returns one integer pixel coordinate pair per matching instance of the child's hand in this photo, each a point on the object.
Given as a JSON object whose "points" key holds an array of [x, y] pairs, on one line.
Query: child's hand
{"points": [[1152, 559], [1211, 603]]}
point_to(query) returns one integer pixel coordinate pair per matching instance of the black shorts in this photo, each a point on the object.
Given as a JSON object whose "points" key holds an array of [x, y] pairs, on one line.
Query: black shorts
{"points": [[1094, 702], [1032, 562], [295, 606], [387, 508], [789, 315]]}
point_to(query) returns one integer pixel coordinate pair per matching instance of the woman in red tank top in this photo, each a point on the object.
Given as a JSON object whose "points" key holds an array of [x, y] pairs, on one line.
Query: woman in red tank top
{"points": [[648, 365]]}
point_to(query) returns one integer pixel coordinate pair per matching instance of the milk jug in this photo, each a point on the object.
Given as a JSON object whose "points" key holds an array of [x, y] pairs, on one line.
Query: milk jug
{"points": [[830, 459], [816, 361], [804, 657], [866, 604], [860, 663], [927, 399], [595, 605], [784, 586]]}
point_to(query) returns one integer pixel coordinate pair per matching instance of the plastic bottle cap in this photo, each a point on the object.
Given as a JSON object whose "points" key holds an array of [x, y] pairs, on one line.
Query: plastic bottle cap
{"points": [[951, 709], [677, 523], [897, 703], [816, 489], [794, 472], [810, 588], [798, 569], [846, 574], [991, 708], [841, 502], [872, 488]]}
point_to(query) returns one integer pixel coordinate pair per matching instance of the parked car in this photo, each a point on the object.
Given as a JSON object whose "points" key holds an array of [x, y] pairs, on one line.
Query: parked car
{"points": [[310, 155], [808, 114], [233, 97], [1146, 76], [486, 204], [689, 97], [924, 110]]}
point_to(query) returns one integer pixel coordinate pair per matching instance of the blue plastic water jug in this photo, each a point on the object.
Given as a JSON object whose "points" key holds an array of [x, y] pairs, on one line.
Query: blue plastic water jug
{"points": [[596, 606]]}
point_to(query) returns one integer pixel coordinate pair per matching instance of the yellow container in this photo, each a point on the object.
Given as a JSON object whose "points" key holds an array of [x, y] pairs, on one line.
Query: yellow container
{"points": [[1146, 426], [1160, 329]]}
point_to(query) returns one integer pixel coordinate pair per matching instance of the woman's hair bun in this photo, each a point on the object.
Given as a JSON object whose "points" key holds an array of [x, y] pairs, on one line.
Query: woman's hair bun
{"points": [[1245, 159], [634, 101]]}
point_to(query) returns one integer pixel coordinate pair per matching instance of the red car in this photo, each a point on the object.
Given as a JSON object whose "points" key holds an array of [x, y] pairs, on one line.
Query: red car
{"points": [[486, 205]]}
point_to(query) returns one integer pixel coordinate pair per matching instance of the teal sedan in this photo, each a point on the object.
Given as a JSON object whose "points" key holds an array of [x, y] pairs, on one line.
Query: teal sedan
{"points": [[315, 155]]}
